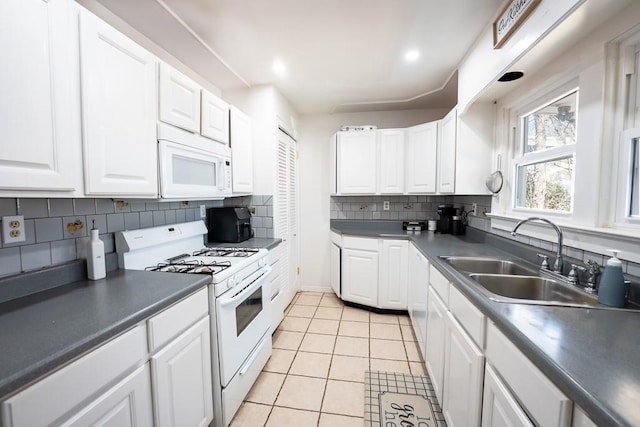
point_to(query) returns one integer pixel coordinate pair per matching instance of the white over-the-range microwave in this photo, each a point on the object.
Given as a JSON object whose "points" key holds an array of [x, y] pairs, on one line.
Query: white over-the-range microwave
{"points": [[191, 166]]}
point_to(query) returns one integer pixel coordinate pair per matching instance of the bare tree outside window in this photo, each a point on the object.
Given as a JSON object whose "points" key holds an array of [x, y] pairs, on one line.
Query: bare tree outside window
{"points": [[546, 181]]}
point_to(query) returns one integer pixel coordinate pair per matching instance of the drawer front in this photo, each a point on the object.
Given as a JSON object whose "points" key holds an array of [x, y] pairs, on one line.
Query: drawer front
{"points": [[440, 284], [179, 317], [336, 239], [545, 404], [59, 393], [275, 254], [471, 319], [350, 242]]}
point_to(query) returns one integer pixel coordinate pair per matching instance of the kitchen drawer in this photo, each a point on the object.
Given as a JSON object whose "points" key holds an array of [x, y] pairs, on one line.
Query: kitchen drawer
{"points": [[179, 317], [440, 284], [349, 242], [471, 319], [275, 254], [45, 402], [545, 404], [336, 239]]}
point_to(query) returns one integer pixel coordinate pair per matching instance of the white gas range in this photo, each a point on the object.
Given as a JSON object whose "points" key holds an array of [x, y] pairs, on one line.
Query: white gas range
{"points": [[239, 300]]}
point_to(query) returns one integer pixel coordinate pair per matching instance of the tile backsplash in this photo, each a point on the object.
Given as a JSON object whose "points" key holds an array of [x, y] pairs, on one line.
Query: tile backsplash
{"points": [[405, 208], [57, 229]]}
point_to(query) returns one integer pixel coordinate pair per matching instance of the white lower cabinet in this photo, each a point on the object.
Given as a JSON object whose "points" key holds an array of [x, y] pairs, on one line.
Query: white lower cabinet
{"points": [[436, 333], [392, 284], [128, 404], [417, 293], [360, 275], [181, 377], [539, 398], [463, 375], [65, 394], [499, 408]]}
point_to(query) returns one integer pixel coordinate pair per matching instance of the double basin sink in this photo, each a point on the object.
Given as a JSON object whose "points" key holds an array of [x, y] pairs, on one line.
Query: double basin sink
{"points": [[515, 281]]}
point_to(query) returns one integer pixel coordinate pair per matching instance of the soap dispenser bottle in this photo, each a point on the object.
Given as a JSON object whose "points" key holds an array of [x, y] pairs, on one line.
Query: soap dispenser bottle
{"points": [[612, 288], [95, 256]]}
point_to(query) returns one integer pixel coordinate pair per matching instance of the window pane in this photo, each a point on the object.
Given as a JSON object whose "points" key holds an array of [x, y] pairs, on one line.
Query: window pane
{"points": [[546, 185], [551, 126]]}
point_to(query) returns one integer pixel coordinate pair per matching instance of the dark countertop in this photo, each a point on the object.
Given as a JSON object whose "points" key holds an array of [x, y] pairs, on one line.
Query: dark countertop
{"points": [[44, 331], [254, 242], [590, 354]]}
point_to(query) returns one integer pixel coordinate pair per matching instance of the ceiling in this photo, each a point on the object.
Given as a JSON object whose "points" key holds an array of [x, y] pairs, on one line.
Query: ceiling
{"points": [[340, 55]]}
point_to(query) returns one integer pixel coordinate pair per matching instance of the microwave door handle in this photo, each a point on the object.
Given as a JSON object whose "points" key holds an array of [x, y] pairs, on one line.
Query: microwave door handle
{"points": [[249, 290]]}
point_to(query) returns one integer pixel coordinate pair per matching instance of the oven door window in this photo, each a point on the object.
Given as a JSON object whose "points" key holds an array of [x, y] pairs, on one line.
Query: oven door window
{"points": [[248, 310]]}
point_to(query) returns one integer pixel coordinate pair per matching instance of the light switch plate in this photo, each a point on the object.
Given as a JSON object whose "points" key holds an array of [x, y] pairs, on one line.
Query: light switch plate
{"points": [[203, 211], [13, 229]]}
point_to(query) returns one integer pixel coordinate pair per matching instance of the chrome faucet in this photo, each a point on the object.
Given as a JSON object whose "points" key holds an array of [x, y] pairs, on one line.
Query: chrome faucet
{"points": [[557, 265]]}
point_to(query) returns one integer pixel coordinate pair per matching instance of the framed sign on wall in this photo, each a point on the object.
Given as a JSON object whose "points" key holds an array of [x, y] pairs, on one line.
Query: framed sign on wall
{"points": [[512, 16]]}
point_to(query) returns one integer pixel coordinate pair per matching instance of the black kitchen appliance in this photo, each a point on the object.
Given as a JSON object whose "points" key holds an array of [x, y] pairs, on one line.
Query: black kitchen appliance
{"points": [[446, 212], [229, 224]]}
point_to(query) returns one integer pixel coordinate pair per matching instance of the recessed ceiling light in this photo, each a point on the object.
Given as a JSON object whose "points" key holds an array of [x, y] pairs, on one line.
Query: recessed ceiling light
{"points": [[411, 55], [279, 67]]}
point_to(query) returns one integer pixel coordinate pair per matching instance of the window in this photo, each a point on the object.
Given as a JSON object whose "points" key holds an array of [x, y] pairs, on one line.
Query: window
{"points": [[544, 170]]}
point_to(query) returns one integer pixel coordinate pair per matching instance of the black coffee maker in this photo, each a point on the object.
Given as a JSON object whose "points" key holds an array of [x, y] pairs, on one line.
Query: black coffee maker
{"points": [[446, 212]]}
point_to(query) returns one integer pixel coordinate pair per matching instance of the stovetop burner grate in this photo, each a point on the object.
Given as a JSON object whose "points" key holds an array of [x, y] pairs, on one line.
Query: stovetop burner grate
{"points": [[227, 252], [190, 266]]}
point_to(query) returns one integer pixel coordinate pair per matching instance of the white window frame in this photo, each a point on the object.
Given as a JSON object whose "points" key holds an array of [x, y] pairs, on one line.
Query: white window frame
{"points": [[518, 157], [628, 125]]}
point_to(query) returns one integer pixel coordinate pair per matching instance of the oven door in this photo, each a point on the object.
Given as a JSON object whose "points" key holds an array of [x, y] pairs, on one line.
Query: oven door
{"points": [[244, 315], [190, 172]]}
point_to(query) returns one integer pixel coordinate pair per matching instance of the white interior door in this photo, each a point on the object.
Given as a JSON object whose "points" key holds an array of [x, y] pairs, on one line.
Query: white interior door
{"points": [[286, 223]]}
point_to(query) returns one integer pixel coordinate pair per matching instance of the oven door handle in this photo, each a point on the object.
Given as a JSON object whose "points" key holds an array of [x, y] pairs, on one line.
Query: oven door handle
{"points": [[249, 290]]}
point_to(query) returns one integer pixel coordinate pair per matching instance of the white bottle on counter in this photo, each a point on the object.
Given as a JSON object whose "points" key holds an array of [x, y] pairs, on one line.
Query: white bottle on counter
{"points": [[95, 257]]}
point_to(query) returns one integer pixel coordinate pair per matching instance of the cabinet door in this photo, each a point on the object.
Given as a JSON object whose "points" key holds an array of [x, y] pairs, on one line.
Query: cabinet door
{"points": [[392, 284], [391, 161], [214, 121], [417, 293], [181, 378], [40, 135], [118, 111], [360, 276], [357, 162], [435, 344], [128, 404], [179, 99], [463, 374], [421, 158], [499, 408], [447, 153], [241, 152], [335, 269]]}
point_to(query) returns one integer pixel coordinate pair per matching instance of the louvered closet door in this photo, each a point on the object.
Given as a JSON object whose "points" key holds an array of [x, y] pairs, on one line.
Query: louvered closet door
{"points": [[286, 211]]}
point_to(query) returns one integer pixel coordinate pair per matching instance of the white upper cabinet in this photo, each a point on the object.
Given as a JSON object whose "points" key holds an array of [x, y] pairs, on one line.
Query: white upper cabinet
{"points": [[391, 160], [214, 121], [241, 152], [447, 153], [40, 135], [119, 105], [179, 99], [421, 161], [357, 162]]}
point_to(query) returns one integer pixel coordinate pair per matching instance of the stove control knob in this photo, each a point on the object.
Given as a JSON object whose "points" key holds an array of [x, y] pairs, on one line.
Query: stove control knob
{"points": [[234, 281], [262, 263]]}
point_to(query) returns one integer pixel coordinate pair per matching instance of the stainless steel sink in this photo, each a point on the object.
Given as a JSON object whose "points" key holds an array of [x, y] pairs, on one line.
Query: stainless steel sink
{"points": [[538, 289], [489, 266]]}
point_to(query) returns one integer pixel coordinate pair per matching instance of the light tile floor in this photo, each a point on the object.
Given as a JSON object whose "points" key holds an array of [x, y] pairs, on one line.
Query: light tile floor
{"points": [[315, 376]]}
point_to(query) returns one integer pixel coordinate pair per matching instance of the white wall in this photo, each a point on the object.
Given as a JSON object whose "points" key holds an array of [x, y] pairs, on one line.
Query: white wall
{"points": [[313, 146]]}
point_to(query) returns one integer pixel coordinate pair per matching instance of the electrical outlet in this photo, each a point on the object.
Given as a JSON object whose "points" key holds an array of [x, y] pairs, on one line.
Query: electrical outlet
{"points": [[385, 205], [474, 209], [203, 211], [13, 229]]}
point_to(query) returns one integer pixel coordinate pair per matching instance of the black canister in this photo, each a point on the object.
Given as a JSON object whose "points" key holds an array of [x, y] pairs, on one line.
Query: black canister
{"points": [[457, 225]]}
